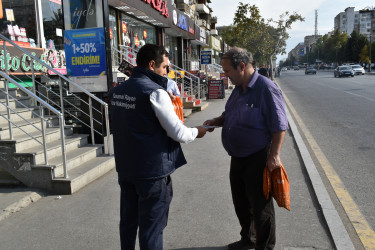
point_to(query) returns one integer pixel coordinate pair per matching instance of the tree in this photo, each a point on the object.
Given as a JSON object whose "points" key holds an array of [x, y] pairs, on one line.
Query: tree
{"points": [[263, 38], [354, 46]]}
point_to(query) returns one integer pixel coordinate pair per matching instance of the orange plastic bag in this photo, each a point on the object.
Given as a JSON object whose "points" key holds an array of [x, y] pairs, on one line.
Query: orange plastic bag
{"points": [[177, 104], [277, 183]]}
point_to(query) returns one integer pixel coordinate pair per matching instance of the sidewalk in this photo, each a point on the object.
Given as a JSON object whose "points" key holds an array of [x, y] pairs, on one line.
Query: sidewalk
{"points": [[201, 214]]}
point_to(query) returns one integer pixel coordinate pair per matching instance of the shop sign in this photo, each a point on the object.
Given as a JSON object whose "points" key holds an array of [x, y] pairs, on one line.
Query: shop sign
{"points": [[22, 64], [182, 22], [216, 89], [191, 30], [83, 14], [85, 52], [144, 34], [202, 35], [136, 41], [159, 5], [124, 27], [175, 17], [206, 57]]}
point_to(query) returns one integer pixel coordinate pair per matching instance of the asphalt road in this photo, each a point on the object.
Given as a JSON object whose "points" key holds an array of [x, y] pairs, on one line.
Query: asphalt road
{"points": [[340, 115]]}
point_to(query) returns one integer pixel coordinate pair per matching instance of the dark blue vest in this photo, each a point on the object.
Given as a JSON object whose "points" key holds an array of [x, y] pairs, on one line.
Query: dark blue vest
{"points": [[142, 148]]}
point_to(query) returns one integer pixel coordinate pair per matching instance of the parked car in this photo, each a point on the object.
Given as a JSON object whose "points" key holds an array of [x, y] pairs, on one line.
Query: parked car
{"points": [[358, 69], [310, 70], [343, 71], [296, 68]]}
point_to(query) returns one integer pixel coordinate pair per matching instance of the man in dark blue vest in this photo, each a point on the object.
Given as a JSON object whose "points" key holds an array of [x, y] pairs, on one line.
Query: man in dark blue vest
{"points": [[147, 135]]}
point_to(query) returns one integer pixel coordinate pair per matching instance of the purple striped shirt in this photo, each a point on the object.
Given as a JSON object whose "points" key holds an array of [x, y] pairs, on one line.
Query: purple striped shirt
{"points": [[251, 117]]}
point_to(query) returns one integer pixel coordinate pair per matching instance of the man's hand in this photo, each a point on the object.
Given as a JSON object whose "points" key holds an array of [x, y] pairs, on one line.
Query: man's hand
{"points": [[218, 121], [171, 95], [201, 131], [273, 162]]}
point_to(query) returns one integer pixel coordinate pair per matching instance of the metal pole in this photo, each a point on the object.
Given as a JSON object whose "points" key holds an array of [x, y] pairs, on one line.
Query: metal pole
{"points": [[41, 113], [91, 122], [61, 100], [7, 92], [107, 127], [63, 149], [33, 80]]}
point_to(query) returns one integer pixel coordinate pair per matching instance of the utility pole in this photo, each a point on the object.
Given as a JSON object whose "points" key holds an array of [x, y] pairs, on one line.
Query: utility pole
{"points": [[372, 16]]}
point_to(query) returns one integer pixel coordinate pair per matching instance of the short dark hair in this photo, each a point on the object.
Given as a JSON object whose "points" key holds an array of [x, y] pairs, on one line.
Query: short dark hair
{"points": [[237, 55], [150, 52]]}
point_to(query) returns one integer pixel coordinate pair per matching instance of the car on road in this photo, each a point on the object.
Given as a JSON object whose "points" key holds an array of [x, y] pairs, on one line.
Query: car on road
{"points": [[343, 71], [296, 68], [358, 69], [310, 70]]}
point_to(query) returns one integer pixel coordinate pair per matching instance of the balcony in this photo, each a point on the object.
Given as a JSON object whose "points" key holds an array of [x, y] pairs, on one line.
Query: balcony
{"points": [[183, 7], [213, 19], [202, 23], [214, 32], [202, 9]]}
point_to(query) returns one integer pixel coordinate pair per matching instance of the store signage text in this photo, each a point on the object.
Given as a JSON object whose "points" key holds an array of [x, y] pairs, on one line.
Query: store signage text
{"points": [[24, 63], [159, 5], [182, 22]]}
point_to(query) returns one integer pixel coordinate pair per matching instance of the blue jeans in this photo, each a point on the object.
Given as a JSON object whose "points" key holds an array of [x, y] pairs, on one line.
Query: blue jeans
{"points": [[144, 205]]}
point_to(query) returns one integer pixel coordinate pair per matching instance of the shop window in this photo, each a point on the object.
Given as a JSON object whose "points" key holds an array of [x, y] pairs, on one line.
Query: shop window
{"points": [[18, 21], [83, 14], [113, 28], [135, 33], [53, 24]]}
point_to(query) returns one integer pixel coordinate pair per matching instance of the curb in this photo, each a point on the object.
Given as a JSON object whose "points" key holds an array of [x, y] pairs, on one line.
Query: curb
{"points": [[335, 225], [17, 206]]}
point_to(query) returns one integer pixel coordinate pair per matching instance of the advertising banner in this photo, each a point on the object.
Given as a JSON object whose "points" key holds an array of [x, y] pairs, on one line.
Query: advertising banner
{"points": [[85, 52], [216, 89]]}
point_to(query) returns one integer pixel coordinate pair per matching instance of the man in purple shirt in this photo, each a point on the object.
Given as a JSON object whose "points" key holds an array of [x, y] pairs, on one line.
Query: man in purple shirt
{"points": [[254, 124]]}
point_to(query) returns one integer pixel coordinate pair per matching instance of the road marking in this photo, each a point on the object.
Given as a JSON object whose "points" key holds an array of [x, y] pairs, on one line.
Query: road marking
{"points": [[360, 224]]}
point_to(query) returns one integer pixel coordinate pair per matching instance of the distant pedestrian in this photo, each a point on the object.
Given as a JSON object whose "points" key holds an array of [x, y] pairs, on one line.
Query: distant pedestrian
{"points": [[254, 124], [263, 71], [147, 135]]}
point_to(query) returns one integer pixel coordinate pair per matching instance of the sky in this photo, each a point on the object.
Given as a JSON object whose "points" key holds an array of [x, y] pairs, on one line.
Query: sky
{"points": [[327, 10]]}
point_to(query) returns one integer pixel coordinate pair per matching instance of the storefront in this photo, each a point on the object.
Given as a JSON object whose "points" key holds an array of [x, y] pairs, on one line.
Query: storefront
{"points": [[215, 45], [158, 22], [196, 45], [37, 27]]}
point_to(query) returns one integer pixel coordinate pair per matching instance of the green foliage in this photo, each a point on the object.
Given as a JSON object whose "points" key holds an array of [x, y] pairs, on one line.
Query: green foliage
{"points": [[263, 38]]}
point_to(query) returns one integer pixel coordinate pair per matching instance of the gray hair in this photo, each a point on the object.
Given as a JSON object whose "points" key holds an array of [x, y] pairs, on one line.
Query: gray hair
{"points": [[237, 55]]}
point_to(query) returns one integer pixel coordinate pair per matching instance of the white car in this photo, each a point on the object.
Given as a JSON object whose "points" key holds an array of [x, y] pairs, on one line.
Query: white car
{"points": [[358, 69]]}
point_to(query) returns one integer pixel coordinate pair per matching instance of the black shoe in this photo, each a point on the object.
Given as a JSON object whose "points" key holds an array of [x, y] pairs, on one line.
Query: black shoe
{"points": [[241, 245]]}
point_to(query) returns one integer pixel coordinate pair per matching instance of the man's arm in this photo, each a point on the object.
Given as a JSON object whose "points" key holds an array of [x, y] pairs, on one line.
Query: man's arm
{"points": [[164, 111], [218, 121], [273, 160]]}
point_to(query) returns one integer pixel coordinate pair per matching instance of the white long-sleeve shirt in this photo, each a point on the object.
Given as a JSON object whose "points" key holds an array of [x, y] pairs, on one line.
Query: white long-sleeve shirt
{"points": [[164, 111]]}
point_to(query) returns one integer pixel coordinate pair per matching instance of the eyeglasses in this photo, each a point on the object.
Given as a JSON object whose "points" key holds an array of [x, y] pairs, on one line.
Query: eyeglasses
{"points": [[167, 69]]}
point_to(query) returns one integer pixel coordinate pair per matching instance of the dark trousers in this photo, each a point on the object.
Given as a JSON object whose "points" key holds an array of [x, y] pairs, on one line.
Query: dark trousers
{"points": [[255, 213], [144, 205]]}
